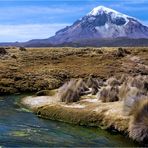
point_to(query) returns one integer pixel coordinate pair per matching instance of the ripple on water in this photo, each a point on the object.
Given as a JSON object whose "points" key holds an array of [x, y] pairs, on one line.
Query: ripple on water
{"points": [[18, 127]]}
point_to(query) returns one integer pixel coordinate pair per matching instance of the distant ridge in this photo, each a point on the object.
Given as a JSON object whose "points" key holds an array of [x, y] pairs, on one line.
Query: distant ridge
{"points": [[100, 27]]}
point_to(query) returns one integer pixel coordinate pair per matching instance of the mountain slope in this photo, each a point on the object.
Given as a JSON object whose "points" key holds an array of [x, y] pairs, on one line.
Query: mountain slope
{"points": [[101, 23], [100, 27]]}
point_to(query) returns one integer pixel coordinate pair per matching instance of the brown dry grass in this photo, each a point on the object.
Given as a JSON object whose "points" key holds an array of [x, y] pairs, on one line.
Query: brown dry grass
{"points": [[48, 68]]}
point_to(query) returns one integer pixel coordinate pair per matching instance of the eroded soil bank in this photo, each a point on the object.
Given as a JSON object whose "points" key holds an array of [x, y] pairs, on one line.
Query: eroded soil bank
{"points": [[89, 112]]}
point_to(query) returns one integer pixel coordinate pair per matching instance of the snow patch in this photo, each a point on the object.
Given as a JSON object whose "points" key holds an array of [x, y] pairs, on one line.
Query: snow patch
{"points": [[91, 18], [101, 9], [111, 31], [114, 14]]}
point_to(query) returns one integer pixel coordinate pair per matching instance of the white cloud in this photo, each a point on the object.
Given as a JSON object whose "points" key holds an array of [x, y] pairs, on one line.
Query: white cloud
{"points": [[11, 33], [37, 10], [33, 10]]}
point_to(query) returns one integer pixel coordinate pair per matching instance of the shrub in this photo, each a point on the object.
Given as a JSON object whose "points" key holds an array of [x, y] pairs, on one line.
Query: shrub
{"points": [[109, 94], [3, 51], [103, 94], [94, 84], [72, 91], [69, 92], [138, 83], [14, 56], [123, 90], [113, 82], [121, 52], [113, 94], [22, 49]]}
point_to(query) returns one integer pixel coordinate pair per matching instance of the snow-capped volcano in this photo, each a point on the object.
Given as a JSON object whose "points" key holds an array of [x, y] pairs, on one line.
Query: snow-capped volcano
{"points": [[101, 9], [99, 24]]}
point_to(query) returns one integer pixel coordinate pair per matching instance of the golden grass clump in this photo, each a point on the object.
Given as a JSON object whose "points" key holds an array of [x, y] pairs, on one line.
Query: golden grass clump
{"points": [[72, 91], [94, 84], [138, 83], [113, 82], [138, 126], [132, 96], [121, 52], [3, 51], [22, 49], [131, 91], [109, 94], [123, 90], [123, 78]]}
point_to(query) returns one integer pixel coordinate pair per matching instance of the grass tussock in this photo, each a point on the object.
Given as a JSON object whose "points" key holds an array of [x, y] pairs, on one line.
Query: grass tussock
{"points": [[123, 105], [138, 126], [133, 92], [2, 51], [22, 49], [109, 94], [121, 52], [72, 90], [69, 92]]}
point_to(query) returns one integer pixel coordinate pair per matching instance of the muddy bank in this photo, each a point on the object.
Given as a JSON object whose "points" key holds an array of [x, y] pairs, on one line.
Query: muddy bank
{"points": [[94, 114], [88, 112]]}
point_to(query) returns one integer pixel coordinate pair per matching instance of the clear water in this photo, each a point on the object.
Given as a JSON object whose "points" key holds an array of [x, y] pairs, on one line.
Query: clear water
{"points": [[20, 128]]}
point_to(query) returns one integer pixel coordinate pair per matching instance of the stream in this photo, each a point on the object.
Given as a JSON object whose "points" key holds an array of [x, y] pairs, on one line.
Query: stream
{"points": [[21, 128]]}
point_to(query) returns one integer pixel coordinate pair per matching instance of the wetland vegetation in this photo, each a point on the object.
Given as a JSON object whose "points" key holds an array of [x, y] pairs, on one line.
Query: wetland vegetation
{"points": [[80, 73]]}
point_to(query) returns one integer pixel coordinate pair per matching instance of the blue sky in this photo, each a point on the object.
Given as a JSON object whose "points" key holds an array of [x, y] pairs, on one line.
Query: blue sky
{"points": [[22, 20]]}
